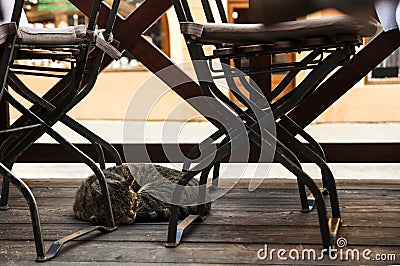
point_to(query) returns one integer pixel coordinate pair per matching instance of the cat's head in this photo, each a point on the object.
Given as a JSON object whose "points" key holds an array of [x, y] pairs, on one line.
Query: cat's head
{"points": [[123, 201]]}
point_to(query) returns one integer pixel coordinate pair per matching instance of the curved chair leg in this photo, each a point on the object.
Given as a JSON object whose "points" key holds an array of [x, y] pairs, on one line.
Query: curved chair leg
{"points": [[307, 202], [100, 155], [27, 193], [196, 151], [12, 158], [314, 145], [175, 232], [329, 180], [19, 87], [5, 188], [92, 137], [215, 179], [319, 200], [306, 205], [210, 88], [251, 121], [110, 227], [324, 223], [16, 83], [52, 252], [56, 136], [83, 131], [201, 208], [253, 127], [249, 112]]}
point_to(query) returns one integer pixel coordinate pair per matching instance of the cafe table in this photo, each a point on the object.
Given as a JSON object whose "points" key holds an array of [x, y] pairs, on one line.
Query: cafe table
{"points": [[129, 32]]}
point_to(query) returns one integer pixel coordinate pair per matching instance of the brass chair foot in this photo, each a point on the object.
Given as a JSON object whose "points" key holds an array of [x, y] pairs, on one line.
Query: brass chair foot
{"points": [[311, 200], [182, 227], [334, 225], [57, 245]]}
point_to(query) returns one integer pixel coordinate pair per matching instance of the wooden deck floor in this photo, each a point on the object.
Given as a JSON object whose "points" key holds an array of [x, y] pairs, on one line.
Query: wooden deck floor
{"points": [[241, 223]]}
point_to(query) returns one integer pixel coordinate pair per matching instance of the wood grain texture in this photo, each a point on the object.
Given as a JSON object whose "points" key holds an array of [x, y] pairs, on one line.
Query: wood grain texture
{"points": [[240, 223]]}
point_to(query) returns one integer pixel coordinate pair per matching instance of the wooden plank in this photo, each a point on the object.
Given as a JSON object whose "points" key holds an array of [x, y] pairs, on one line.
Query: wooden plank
{"points": [[259, 196], [55, 205], [113, 253], [387, 218], [271, 183], [279, 234], [269, 188], [239, 225], [256, 202], [204, 233]]}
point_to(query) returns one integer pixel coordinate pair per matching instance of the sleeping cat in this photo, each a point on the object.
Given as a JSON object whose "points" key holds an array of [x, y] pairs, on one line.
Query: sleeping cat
{"points": [[131, 188]]}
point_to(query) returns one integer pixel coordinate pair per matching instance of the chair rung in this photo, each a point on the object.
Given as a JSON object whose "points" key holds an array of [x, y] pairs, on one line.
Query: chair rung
{"points": [[45, 54], [39, 74], [10, 130], [286, 46], [39, 68]]}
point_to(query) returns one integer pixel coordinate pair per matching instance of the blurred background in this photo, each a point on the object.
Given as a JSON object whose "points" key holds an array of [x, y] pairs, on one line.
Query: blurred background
{"points": [[378, 91]]}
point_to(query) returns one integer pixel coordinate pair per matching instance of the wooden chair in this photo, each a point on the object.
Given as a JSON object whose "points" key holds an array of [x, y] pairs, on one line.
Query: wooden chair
{"points": [[75, 48], [330, 42]]}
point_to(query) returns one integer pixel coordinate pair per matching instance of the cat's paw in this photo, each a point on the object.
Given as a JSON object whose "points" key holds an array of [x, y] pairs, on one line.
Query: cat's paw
{"points": [[153, 215], [79, 215], [94, 220], [128, 221], [130, 218]]}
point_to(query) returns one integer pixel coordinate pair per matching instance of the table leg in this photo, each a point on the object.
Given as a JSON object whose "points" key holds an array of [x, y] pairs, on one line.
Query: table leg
{"points": [[345, 78], [4, 116]]}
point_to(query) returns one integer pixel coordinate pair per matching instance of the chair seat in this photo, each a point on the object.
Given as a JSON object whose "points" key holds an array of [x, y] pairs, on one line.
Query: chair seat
{"points": [[68, 35], [57, 36], [31, 35], [290, 30]]}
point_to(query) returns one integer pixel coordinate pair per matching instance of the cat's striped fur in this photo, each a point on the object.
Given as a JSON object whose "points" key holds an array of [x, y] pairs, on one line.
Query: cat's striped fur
{"points": [[135, 193]]}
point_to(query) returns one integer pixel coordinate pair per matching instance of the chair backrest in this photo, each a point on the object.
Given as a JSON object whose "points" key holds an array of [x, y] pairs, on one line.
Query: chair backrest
{"points": [[111, 18], [184, 14], [10, 36]]}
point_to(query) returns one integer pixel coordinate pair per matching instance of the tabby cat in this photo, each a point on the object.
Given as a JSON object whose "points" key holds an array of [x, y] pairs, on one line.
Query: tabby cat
{"points": [[131, 187]]}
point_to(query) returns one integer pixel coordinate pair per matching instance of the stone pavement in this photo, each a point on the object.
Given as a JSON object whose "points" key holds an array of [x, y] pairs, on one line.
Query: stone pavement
{"points": [[193, 132]]}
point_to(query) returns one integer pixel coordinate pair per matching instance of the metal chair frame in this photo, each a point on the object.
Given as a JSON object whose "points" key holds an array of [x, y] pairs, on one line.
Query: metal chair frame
{"points": [[340, 53], [38, 120]]}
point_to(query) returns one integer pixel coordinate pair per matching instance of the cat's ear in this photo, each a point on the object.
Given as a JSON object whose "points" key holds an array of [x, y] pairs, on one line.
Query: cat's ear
{"points": [[127, 183]]}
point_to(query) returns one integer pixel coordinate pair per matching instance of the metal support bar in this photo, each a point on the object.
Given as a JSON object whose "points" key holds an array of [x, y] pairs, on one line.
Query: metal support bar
{"points": [[57, 245], [181, 228]]}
